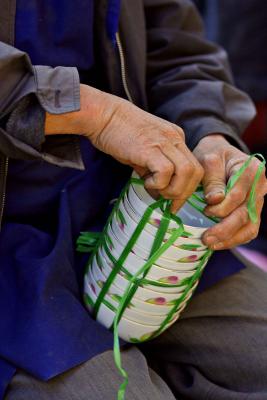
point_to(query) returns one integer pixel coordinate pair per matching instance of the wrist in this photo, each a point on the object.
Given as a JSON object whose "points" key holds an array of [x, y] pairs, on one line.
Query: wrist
{"points": [[86, 121]]}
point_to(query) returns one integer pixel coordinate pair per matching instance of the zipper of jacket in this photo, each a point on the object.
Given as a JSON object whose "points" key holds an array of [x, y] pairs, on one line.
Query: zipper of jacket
{"points": [[4, 166], [3, 178], [123, 68]]}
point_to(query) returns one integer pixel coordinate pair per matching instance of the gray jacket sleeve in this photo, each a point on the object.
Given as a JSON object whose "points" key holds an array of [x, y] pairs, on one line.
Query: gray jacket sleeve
{"points": [[188, 79], [23, 89]]}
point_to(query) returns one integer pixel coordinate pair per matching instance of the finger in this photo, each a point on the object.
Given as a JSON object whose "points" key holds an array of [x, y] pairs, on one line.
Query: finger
{"points": [[214, 178], [228, 227], [187, 175], [236, 196], [244, 235], [233, 230], [161, 170]]}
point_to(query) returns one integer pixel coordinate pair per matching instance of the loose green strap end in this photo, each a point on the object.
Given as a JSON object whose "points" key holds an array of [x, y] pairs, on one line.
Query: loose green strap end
{"points": [[121, 370], [251, 205]]}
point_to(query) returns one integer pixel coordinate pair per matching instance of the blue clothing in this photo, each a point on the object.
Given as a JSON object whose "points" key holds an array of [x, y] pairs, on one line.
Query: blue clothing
{"points": [[56, 32], [45, 329], [61, 32]]}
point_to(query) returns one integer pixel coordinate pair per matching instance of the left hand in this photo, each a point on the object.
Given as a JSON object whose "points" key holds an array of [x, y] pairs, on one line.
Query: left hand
{"points": [[220, 161]]}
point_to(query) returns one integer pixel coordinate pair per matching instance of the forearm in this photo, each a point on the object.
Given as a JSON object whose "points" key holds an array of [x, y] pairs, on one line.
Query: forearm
{"points": [[26, 92], [94, 111]]}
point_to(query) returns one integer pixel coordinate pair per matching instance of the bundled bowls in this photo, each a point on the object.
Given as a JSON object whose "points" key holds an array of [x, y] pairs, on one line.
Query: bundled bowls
{"points": [[160, 293]]}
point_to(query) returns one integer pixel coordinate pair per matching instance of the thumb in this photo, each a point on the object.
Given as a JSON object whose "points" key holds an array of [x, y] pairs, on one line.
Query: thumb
{"points": [[214, 181]]}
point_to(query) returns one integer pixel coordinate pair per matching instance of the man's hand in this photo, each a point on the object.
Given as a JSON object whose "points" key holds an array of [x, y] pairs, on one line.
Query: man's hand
{"points": [[220, 161], [155, 148]]}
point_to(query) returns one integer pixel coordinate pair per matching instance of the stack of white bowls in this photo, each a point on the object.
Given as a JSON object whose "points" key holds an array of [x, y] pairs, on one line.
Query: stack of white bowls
{"points": [[170, 278]]}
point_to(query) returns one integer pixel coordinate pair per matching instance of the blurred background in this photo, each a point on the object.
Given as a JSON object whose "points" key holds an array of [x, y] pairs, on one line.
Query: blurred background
{"points": [[240, 26]]}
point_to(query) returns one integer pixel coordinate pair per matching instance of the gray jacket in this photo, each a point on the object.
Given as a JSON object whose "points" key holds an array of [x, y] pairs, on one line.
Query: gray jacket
{"points": [[162, 62]]}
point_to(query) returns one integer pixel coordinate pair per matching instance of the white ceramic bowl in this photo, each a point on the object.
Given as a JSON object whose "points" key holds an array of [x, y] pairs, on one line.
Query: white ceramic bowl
{"points": [[153, 222], [194, 221], [143, 292], [130, 312], [183, 264], [170, 280], [156, 305], [133, 263], [172, 254], [129, 330], [121, 223], [127, 224], [100, 268], [93, 287]]}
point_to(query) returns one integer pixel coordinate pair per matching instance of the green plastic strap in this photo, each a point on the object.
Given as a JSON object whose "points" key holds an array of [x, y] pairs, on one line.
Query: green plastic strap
{"points": [[156, 251], [125, 254], [192, 281], [134, 281], [141, 281], [201, 210], [132, 287], [126, 298], [88, 241], [251, 205]]}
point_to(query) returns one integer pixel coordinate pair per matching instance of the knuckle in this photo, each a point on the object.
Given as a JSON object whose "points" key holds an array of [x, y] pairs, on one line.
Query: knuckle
{"points": [[199, 172], [180, 132], [243, 215], [160, 185], [166, 169], [253, 168], [211, 160], [163, 144], [172, 192], [168, 194], [187, 168], [253, 231], [220, 213], [220, 231], [176, 131], [237, 195]]}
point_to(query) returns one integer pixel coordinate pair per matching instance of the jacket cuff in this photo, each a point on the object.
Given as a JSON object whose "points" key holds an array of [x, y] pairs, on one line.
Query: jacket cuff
{"points": [[24, 126], [58, 89], [197, 128], [26, 122]]}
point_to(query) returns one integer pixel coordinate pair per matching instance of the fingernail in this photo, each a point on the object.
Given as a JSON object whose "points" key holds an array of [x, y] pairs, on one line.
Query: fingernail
{"points": [[214, 193], [218, 246], [211, 240]]}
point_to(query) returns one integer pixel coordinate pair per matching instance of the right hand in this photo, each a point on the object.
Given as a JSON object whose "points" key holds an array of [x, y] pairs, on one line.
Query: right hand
{"points": [[155, 148]]}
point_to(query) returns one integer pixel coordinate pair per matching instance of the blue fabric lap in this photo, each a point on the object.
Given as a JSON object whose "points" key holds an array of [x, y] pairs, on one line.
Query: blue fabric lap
{"points": [[44, 327]]}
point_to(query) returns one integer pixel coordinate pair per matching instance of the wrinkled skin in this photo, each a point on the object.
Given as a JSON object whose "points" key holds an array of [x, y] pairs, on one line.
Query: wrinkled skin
{"points": [[220, 161], [156, 149]]}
